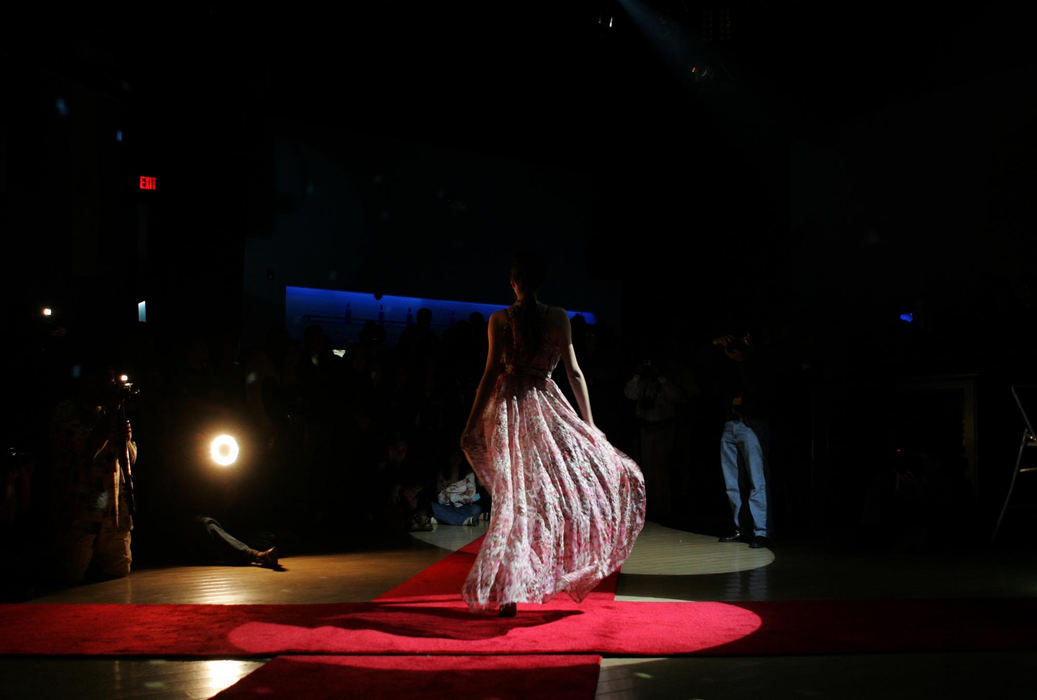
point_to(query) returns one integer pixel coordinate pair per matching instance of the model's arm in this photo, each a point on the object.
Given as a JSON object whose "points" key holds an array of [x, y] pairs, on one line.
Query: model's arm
{"points": [[572, 368], [489, 375]]}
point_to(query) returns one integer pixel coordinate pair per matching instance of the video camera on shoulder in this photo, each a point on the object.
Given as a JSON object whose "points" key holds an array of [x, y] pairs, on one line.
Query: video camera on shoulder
{"points": [[119, 391], [127, 389]]}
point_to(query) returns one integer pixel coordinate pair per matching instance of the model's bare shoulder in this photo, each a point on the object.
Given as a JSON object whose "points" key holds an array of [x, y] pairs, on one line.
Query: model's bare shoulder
{"points": [[558, 314], [498, 319], [558, 324]]}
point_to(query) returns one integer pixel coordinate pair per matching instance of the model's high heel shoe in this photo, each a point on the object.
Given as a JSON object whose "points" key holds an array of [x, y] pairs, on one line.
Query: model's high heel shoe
{"points": [[508, 610]]}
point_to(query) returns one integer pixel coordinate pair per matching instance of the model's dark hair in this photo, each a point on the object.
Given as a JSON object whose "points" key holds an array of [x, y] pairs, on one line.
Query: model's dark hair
{"points": [[527, 268], [527, 271]]}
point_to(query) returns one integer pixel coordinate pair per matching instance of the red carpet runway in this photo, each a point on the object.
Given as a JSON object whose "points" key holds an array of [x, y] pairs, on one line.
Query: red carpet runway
{"points": [[419, 636]]}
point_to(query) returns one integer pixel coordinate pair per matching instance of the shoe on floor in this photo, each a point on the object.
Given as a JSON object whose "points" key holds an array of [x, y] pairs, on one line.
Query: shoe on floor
{"points": [[735, 536], [267, 559], [759, 542]]}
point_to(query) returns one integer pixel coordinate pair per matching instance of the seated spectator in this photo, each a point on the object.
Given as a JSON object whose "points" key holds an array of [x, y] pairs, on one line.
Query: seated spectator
{"points": [[456, 498], [399, 482]]}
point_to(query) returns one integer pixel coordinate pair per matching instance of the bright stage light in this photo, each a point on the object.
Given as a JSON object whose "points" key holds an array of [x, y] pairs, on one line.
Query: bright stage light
{"points": [[224, 450], [47, 311]]}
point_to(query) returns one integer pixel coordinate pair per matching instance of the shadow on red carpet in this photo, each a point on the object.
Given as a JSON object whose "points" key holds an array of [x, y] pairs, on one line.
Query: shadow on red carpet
{"points": [[454, 677]]}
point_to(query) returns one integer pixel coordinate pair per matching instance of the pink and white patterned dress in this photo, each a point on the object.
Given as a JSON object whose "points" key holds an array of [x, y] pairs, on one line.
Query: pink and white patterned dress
{"points": [[567, 506]]}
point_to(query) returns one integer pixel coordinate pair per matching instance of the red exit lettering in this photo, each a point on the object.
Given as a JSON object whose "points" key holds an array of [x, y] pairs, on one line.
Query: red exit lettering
{"points": [[148, 183]]}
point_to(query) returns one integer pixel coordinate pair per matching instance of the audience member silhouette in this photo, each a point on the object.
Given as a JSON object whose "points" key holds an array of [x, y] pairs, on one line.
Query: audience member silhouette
{"points": [[656, 400]]}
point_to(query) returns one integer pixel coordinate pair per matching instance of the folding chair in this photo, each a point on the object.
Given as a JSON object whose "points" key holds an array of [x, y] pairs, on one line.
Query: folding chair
{"points": [[1029, 393]]}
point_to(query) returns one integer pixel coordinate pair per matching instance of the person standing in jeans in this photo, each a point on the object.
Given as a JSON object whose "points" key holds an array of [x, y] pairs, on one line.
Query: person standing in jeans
{"points": [[744, 440]]}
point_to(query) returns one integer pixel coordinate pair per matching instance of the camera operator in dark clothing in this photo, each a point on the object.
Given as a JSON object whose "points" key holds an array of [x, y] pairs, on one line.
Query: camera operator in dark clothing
{"points": [[656, 409], [745, 392], [91, 442]]}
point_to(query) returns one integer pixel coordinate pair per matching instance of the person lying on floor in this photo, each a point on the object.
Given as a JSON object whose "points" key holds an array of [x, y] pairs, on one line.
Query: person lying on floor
{"points": [[216, 545]]}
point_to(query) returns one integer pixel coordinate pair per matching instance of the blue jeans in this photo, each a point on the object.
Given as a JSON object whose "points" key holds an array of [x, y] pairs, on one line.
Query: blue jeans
{"points": [[221, 546], [455, 515], [741, 440]]}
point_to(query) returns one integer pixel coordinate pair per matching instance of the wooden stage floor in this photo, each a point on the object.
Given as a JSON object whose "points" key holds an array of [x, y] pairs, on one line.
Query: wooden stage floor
{"points": [[666, 564]]}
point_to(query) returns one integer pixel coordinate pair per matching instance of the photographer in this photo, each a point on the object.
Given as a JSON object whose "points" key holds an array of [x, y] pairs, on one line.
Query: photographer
{"points": [[90, 494]]}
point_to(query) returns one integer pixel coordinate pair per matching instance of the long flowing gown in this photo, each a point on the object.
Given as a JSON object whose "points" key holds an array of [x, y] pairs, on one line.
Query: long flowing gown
{"points": [[566, 505]]}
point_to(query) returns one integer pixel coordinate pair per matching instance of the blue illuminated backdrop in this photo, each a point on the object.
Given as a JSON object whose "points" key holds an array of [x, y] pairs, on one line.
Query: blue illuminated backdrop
{"points": [[342, 314], [420, 220]]}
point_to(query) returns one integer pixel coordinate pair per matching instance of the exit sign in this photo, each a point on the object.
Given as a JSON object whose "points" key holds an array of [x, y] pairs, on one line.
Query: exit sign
{"points": [[148, 183]]}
